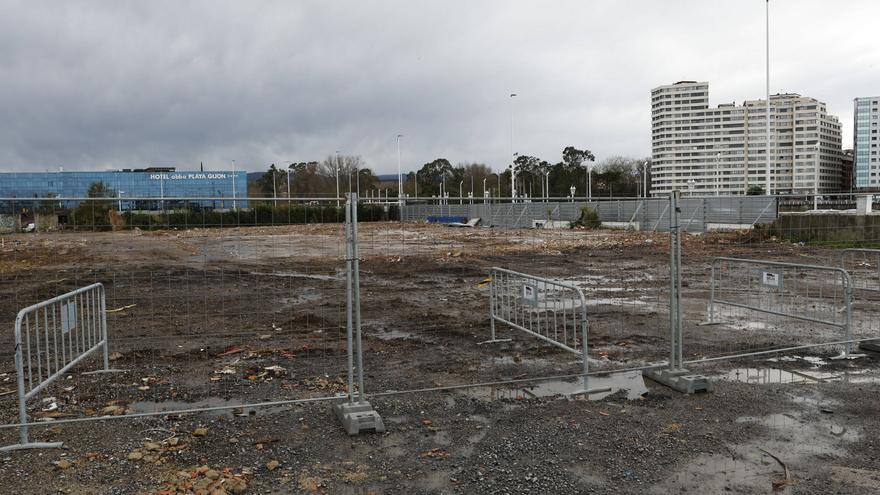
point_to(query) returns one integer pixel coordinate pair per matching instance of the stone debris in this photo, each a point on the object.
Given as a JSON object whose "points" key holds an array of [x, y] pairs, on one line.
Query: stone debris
{"points": [[206, 480]]}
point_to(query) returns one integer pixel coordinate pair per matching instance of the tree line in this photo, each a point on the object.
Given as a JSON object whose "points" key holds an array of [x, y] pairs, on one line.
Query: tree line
{"points": [[535, 177]]}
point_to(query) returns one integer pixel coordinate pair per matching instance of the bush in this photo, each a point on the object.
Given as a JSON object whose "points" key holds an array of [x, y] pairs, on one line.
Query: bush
{"points": [[588, 219]]}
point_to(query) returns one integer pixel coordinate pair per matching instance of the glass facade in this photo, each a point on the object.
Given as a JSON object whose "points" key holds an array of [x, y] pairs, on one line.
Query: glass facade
{"points": [[141, 190], [866, 161]]}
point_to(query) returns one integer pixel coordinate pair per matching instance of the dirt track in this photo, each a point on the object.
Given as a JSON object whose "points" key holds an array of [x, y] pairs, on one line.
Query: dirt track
{"points": [[215, 309]]}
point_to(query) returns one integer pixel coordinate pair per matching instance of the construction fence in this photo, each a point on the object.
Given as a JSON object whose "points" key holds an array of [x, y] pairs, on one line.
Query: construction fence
{"points": [[202, 318]]}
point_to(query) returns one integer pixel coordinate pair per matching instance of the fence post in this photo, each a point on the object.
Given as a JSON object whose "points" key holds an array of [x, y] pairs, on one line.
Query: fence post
{"points": [[359, 416], [19, 370], [676, 376], [712, 294]]}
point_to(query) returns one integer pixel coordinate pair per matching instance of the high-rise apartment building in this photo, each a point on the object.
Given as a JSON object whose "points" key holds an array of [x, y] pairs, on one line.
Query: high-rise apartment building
{"points": [[722, 150], [866, 161]]}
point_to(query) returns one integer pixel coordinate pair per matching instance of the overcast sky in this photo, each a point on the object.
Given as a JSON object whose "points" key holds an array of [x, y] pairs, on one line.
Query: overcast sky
{"points": [[113, 84]]}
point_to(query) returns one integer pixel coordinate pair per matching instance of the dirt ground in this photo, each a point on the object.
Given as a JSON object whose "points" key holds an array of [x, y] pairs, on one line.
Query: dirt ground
{"points": [[237, 317]]}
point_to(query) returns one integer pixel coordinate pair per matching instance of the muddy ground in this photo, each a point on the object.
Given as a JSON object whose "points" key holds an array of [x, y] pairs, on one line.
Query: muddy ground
{"points": [[236, 317]]}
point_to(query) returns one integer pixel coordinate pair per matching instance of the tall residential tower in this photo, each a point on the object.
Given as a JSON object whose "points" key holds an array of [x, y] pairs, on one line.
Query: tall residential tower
{"points": [[722, 150], [866, 163]]}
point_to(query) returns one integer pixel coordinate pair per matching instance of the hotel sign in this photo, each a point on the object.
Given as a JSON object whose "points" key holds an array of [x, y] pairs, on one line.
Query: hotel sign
{"points": [[192, 176]]}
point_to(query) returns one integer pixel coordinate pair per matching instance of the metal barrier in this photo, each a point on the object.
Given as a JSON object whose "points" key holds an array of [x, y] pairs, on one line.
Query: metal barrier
{"points": [[818, 294], [51, 337], [553, 311], [355, 412], [863, 265]]}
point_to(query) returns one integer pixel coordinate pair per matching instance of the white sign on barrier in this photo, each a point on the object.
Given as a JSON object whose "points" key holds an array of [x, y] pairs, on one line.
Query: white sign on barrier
{"points": [[529, 294], [771, 279], [68, 317]]}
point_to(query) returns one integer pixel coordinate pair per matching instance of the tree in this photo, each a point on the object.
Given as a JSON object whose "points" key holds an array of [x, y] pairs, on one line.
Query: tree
{"points": [[267, 184], [347, 164], [432, 175]]}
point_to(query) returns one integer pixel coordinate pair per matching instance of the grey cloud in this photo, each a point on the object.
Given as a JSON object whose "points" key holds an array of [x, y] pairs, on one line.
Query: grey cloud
{"points": [[94, 85]]}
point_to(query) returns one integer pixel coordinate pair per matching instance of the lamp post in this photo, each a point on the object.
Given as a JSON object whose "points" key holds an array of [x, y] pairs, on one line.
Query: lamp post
{"points": [[274, 187], [589, 182], [547, 187], [645, 179], [816, 178], [767, 9], [484, 189], [288, 183], [337, 178], [119, 196], [460, 194], [572, 190], [399, 176], [512, 165], [715, 175], [233, 186]]}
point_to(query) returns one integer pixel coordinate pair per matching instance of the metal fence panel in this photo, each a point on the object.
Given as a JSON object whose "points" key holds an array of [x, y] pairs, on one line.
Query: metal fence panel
{"points": [[863, 265], [817, 294], [53, 336]]}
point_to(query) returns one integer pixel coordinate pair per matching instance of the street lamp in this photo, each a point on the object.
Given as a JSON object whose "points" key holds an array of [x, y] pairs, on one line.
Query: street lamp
{"points": [[767, 9], [512, 155], [233, 187], [816, 178], [274, 188], [399, 176], [645, 179], [337, 178], [547, 187], [589, 182], [572, 190], [460, 194]]}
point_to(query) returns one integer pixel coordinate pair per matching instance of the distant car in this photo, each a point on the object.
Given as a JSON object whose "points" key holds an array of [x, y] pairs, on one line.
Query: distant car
{"points": [[30, 227]]}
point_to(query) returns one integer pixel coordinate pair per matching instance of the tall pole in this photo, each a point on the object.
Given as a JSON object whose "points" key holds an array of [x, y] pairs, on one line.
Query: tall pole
{"points": [[645, 179], [288, 184], [399, 176], [274, 187], [460, 194], [589, 182], [816, 179], [512, 165], [337, 179], [233, 185], [767, 9], [715, 175]]}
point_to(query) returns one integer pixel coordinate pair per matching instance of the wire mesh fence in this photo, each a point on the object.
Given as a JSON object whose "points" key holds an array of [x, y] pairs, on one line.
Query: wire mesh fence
{"points": [[214, 307]]}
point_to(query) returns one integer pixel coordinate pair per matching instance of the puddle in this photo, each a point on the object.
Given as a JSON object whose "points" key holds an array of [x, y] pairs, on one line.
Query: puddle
{"points": [[797, 436], [768, 376], [631, 382], [764, 376], [171, 406]]}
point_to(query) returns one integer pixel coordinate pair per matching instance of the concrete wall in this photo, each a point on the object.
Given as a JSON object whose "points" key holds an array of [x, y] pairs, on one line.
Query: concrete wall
{"points": [[45, 222], [10, 223], [827, 227]]}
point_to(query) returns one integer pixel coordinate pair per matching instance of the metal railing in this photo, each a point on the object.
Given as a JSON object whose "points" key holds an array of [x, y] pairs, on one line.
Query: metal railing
{"points": [[553, 311], [817, 294], [863, 265], [53, 336]]}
